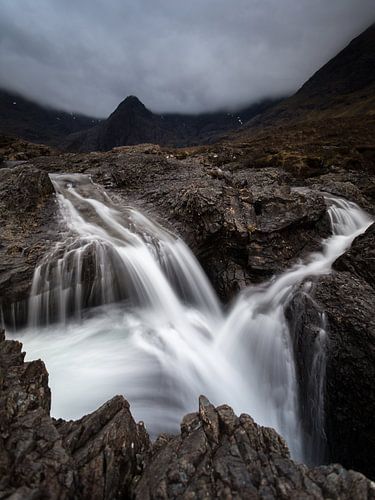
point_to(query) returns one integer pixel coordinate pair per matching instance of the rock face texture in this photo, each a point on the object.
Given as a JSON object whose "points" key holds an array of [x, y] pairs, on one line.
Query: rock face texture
{"points": [[347, 297], [220, 455], [28, 220], [96, 457], [243, 224], [106, 455]]}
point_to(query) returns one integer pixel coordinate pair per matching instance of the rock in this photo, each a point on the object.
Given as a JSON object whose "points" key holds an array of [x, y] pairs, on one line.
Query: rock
{"points": [[359, 260], [348, 302], [244, 225], [107, 448], [28, 219], [220, 455], [246, 235], [97, 457], [107, 455]]}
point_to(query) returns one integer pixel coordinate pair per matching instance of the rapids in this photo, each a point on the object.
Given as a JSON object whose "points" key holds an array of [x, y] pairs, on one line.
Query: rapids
{"points": [[121, 306]]}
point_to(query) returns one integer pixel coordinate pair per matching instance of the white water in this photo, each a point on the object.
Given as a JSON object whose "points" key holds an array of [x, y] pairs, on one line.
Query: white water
{"points": [[126, 309]]}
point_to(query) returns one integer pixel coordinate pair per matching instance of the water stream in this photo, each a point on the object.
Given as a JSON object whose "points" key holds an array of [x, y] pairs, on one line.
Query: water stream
{"points": [[121, 306]]}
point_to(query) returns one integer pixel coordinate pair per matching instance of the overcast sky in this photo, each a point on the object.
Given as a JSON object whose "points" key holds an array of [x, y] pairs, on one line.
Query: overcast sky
{"points": [[175, 55]]}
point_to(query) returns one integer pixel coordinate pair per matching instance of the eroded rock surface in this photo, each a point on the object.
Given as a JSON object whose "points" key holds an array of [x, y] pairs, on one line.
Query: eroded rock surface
{"points": [[28, 221], [96, 457], [347, 298], [106, 455], [220, 455]]}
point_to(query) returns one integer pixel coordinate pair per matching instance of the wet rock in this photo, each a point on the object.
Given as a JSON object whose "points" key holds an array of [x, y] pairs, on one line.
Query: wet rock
{"points": [[359, 260], [245, 235], [106, 455], [28, 216], [96, 457], [107, 447], [220, 455], [348, 302]]}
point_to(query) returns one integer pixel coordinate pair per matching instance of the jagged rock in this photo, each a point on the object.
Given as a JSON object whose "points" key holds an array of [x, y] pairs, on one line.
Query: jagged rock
{"points": [[106, 455], [220, 455], [96, 457]]}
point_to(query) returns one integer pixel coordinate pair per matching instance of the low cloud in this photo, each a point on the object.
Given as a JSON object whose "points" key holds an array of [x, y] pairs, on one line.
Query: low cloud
{"points": [[201, 55]]}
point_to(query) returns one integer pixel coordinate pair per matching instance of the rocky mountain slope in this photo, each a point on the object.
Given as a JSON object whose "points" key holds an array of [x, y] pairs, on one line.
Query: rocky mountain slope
{"points": [[342, 88], [132, 123], [20, 117]]}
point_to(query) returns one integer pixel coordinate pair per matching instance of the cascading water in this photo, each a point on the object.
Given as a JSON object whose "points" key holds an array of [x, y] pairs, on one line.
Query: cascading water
{"points": [[122, 306]]}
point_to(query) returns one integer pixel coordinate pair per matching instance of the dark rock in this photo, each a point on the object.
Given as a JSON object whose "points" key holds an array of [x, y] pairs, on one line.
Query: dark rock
{"points": [[359, 260], [107, 455], [246, 235], [348, 302], [107, 448], [96, 457], [28, 219], [220, 455]]}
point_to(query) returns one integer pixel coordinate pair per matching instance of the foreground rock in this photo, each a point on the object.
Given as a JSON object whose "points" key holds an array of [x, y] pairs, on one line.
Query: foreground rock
{"points": [[106, 455], [220, 455], [96, 457]]}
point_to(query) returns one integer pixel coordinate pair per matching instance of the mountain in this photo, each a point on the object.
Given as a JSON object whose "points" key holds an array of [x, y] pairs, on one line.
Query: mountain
{"points": [[132, 123], [343, 87], [25, 119]]}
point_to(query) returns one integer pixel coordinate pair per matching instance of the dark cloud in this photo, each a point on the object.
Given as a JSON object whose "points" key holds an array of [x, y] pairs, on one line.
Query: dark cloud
{"points": [[87, 55]]}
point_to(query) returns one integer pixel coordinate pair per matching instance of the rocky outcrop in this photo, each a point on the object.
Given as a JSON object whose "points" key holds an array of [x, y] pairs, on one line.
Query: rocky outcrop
{"points": [[359, 260], [106, 455], [244, 224], [220, 455], [247, 227], [347, 298], [96, 457], [28, 220]]}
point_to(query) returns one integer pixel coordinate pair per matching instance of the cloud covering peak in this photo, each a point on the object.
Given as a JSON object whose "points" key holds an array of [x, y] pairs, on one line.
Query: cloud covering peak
{"points": [[201, 55]]}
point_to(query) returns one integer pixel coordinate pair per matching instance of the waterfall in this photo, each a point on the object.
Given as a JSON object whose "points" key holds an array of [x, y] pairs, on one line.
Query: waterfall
{"points": [[121, 305]]}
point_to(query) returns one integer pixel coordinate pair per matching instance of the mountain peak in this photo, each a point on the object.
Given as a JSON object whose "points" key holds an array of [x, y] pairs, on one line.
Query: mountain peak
{"points": [[132, 101]]}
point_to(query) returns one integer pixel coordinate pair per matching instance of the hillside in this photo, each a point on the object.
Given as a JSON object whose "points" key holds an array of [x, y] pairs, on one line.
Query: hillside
{"points": [[25, 119], [132, 123], [345, 86]]}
